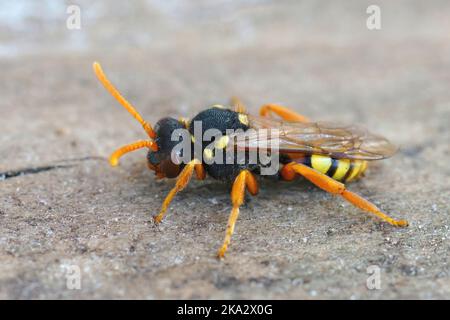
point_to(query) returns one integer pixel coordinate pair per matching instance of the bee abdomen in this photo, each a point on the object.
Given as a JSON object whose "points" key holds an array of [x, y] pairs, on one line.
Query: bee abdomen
{"points": [[343, 170]]}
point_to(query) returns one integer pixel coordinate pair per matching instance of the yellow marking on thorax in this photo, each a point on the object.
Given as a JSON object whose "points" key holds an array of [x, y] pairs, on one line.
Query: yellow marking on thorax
{"points": [[208, 154], [243, 118], [222, 142], [321, 163], [184, 121], [343, 167]]}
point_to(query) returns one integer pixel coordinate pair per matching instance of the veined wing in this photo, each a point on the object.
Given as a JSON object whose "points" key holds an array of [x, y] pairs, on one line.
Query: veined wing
{"points": [[323, 138]]}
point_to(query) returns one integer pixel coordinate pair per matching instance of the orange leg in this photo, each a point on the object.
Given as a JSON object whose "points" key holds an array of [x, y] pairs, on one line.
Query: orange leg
{"points": [[200, 171], [244, 180], [183, 179], [115, 156], [332, 186], [283, 112], [237, 104]]}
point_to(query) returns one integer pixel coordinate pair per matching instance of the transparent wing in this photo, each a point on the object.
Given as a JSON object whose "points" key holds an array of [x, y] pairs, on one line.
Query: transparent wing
{"points": [[324, 138]]}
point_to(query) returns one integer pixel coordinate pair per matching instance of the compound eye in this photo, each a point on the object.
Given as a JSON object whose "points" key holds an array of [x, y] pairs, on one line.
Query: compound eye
{"points": [[157, 127]]}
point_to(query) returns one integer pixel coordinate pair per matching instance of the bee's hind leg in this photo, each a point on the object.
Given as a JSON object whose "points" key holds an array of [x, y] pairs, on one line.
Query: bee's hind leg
{"points": [[283, 112], [334, 187]]}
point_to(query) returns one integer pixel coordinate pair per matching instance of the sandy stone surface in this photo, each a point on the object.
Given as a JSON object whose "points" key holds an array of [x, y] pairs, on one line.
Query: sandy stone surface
{"points": [[293, 240]]}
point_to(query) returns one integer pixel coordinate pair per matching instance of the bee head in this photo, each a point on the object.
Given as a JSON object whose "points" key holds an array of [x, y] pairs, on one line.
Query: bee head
{"points": [[162, 160], [160, 144]]}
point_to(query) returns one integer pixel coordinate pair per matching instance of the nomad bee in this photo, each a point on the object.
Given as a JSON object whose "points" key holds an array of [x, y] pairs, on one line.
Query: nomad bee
{"points": [[328, 155]]}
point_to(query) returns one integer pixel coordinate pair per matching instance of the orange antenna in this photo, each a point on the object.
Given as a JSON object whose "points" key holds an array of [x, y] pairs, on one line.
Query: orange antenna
{"points": [[115, 156], [116, 94]]}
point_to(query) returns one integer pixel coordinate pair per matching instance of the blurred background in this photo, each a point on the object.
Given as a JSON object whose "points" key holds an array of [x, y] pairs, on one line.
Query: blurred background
{"points": [[174, 58]]}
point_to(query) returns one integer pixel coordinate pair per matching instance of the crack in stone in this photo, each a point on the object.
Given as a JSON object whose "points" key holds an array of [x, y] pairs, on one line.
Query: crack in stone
{"points": [[26, 171], [34, 170]]}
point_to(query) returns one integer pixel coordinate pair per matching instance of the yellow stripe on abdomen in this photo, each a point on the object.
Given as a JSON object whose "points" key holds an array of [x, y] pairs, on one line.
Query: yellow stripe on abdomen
{"points": [[356, 169], [342, 169], [364, 166], [321, 163]]}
